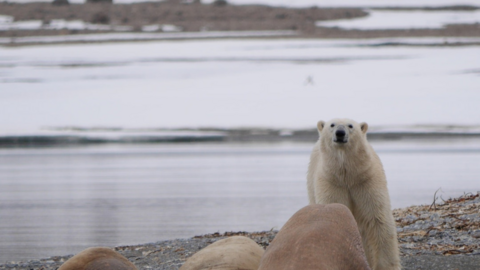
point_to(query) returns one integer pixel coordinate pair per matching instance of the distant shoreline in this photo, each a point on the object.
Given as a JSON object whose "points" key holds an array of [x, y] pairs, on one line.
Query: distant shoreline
{"points": [[78, 136], [153, 20]]}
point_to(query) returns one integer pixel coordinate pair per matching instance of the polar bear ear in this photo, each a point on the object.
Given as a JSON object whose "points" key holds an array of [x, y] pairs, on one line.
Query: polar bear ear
{"points": [[364, 127], [320, 125]]}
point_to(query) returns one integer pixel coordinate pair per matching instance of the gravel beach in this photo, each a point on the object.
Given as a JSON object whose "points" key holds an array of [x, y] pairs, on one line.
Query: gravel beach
{"points": [[443, 235]]}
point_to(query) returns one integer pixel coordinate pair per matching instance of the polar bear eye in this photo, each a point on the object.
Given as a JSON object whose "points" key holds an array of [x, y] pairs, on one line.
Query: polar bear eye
{"points": [[350, 126], [332, 125]]}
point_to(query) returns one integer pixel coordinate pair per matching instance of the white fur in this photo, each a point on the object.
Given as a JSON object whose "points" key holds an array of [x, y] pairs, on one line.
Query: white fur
{"points": [[353, 175]]}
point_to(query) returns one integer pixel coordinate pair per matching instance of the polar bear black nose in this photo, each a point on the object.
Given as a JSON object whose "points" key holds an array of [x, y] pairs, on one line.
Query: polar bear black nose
{"points": [[340, 133]]}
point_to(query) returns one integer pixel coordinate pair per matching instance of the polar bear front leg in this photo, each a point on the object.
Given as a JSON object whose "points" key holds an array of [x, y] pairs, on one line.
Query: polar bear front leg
{"points": [[371, 209]]}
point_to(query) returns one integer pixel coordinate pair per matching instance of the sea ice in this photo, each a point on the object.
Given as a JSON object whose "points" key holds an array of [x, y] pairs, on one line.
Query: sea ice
{"points": [[237, 83]]}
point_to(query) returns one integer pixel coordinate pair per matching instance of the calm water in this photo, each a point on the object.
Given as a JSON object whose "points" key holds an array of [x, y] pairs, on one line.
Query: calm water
{"points": [[60, 201]]}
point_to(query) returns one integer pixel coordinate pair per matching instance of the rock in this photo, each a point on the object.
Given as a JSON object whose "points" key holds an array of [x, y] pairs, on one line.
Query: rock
{"points": [[100, 17], [317, 237], [60, 2], [220, 3], [236, 252], [100, 1], [98, 258]]}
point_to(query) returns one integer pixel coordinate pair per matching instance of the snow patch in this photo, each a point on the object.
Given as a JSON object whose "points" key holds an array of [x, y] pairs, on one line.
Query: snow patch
{"points": [[380, 19], [163, 28], [7, 23], [234, 83]]}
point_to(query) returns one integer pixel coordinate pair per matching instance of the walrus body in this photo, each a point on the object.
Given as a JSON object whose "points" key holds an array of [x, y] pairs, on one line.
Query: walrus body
{"points": [[233, 253], [317, 237], [98, 258]]}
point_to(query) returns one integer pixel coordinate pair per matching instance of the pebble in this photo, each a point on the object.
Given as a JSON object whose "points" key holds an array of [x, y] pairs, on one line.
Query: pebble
{"points": [[452, 229]]}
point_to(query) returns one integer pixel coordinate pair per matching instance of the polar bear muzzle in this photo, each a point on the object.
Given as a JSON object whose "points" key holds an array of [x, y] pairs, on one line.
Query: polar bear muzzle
{"points": [[341, 136]]}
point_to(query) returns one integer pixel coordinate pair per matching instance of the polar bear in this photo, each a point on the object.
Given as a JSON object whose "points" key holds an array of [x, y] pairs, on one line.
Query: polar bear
{"points": [[345, 169]]}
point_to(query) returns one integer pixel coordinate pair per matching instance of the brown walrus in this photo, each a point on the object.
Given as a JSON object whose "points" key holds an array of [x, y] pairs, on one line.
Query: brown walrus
{"points": [[98, 258], [236, 252], [320, 237]]}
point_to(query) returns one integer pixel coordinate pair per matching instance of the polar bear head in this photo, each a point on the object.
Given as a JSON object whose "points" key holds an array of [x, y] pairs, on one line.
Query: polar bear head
{"points": [[342, 132]]}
